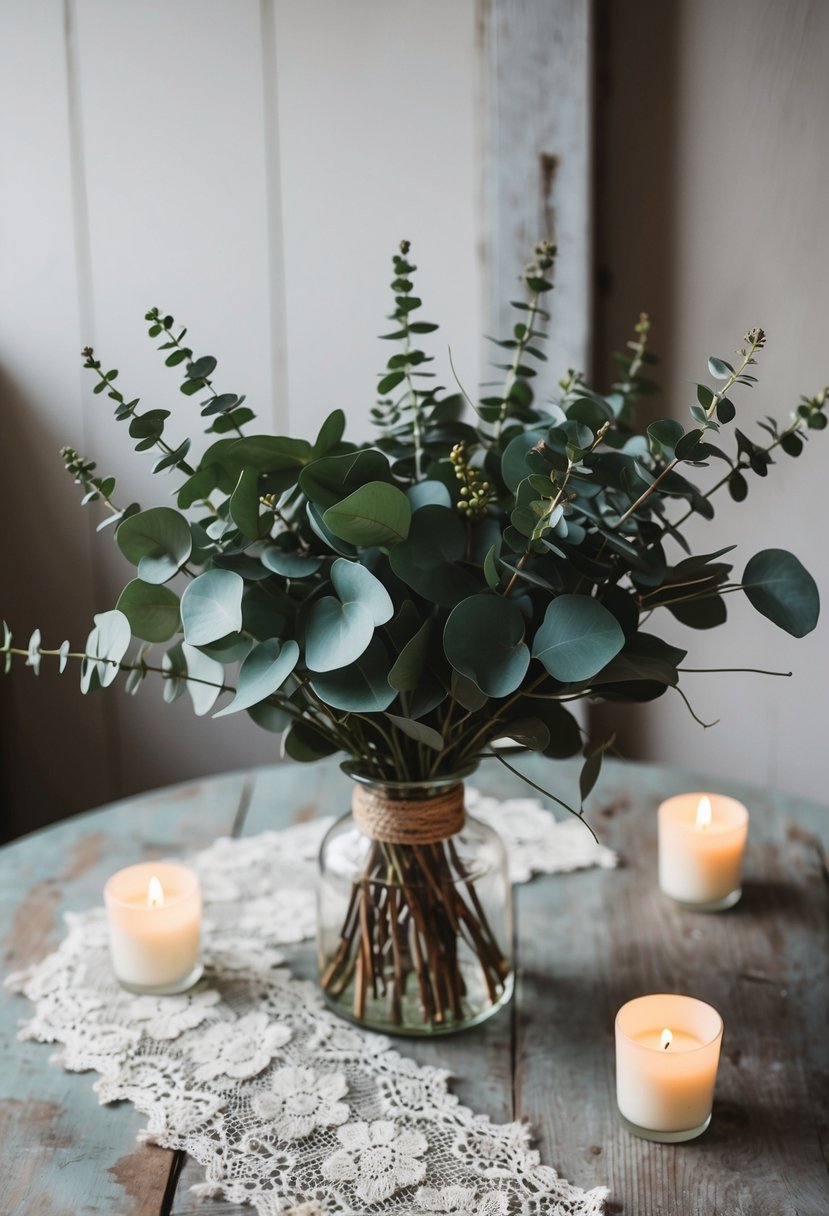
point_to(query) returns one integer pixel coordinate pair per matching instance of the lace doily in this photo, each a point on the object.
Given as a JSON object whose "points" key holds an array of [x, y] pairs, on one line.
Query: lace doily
{"points": [[287, 1107]]}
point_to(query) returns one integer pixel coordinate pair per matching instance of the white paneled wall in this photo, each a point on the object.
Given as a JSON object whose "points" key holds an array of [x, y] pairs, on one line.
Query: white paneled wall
{"points": [[249, 166]]}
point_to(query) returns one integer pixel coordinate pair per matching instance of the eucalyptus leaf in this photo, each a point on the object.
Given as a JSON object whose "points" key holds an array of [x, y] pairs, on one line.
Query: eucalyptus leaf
{"points": [[407, 671], [205, 677], [245, 503], [157, 541], [327, 480], [288, 563], [265, 670], [306, 743], [175, 670], [783, 590], [362, 687], [355, 584], [336, 634], [211, 607], [418, 731], [484, 641], [106, 646], [577, 638], [429, 560], [152, 610], [374, 514]]}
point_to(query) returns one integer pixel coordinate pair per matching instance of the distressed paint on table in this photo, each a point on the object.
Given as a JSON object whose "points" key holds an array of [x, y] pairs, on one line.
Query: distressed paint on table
{"points": [[586, 942]]}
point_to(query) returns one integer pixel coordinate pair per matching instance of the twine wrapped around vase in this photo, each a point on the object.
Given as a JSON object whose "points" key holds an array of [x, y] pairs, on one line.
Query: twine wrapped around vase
{"points": [[412, 821]]}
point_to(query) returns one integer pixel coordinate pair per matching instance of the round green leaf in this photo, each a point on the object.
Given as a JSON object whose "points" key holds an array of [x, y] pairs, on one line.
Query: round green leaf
{"points": [[363, 687], [205, 677], [336, 634], [288, 564], [152, 610], [428, 493], [355, 584], [157, 541], [266, 669], [270, 717], [429, 559], [107, 643], [327, 480], [375, 514], [577, 637], [211, 607], [514, 467], [305, 743], [783, 590], [484, 640]]}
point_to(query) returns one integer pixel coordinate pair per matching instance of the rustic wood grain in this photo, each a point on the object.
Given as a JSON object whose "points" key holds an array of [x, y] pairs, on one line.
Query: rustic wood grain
{"points": [[592, 941], [61, 1154]]}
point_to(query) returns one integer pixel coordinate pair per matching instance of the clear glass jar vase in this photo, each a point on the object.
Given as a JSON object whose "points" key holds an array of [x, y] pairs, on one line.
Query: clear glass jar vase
{"points": [[414, 919]]}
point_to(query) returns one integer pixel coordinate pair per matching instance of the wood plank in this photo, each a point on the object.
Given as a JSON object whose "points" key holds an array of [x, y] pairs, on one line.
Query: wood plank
{"points": [[591, 941], [61, 1152], [538, 166]]}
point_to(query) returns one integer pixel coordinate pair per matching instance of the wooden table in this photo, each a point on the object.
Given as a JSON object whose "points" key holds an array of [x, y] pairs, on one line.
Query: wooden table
{"points": [[586, 942]]}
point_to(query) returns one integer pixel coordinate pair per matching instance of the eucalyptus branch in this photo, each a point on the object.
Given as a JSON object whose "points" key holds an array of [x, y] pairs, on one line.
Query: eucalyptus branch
{"points": [[534, 277], [756, 340], [803, 419], [224, 404], [754, 670], [576, 814], [689, 707], [95, 488]]}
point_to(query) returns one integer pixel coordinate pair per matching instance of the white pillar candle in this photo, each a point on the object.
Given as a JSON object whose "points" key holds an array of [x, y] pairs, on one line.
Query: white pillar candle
{"points": [[154, 914], [702, 838], [667, 1052]]}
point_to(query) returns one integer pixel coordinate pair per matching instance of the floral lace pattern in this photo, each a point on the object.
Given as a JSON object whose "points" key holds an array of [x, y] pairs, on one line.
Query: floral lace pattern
{"points": [[287, 1107]]}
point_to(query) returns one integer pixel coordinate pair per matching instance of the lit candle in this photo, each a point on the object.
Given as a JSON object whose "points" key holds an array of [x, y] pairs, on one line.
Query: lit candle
{"points": [[667, 1052], [702, 838], [154, 913]]}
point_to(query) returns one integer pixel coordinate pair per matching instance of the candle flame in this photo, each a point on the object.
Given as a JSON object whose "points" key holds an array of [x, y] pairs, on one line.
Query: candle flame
{"points": [[666, 1040], [155, 894], [704, 813]]}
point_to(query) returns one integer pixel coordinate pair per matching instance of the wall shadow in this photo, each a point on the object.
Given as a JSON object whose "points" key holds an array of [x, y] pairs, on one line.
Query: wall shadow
{"points": [[635, 219], [55, 754]]}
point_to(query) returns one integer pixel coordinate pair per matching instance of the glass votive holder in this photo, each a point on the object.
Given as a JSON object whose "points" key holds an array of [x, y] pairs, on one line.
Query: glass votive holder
{"points": [[667, 1053], [154, 916], [702, 838]]}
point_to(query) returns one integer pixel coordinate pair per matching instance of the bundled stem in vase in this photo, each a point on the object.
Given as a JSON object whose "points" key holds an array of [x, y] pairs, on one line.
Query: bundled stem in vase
{"points": [[412, 914]]}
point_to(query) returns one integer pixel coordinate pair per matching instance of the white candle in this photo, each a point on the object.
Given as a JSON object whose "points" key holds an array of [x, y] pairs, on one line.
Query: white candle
{"points": [[154, 913], [667, 1052], [702, 838]]}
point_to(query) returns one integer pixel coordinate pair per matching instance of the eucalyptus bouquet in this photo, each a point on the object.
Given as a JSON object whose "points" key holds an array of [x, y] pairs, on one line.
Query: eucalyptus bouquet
{"points": [[458, 581]]}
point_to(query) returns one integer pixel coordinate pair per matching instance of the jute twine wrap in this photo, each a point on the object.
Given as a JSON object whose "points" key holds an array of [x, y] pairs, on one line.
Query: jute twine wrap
{"points": [[408, 821]]}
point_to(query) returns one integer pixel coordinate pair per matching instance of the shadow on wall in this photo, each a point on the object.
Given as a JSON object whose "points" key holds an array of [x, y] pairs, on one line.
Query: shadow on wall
{"points": [[56, 754], [637, 66]]}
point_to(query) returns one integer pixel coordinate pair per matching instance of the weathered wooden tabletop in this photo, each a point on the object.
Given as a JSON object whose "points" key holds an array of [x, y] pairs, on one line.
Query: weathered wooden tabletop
{"points": [[586, 942]]}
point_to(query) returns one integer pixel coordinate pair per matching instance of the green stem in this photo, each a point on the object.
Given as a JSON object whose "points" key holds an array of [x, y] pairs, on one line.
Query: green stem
{"points": [[712, 409]]}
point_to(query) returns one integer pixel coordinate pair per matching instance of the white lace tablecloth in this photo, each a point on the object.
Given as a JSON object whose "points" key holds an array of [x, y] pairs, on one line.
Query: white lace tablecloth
{"points": [[286, 1106]]}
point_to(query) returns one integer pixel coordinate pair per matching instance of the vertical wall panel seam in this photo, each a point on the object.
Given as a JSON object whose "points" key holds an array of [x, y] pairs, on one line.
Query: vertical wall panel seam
{"points": [[86, 325], [273, 214]]}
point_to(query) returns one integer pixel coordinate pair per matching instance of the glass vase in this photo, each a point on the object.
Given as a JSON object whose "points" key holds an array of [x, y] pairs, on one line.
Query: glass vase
{"points": [[415, 911]]}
